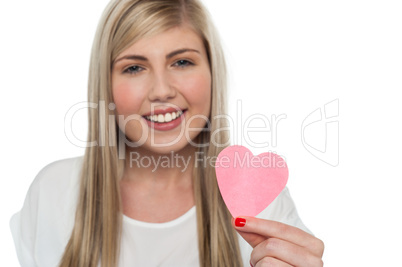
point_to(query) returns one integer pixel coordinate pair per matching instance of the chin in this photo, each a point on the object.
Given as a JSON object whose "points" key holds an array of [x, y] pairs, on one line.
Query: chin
{"points": [[165, 148]]}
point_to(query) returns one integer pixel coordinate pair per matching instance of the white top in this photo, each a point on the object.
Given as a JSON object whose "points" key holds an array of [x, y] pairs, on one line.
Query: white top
{"points": [[42, 228]]}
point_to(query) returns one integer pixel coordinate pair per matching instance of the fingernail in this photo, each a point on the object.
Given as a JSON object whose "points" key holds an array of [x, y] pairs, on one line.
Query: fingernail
{"points": [[240, 222], [251, 264]]}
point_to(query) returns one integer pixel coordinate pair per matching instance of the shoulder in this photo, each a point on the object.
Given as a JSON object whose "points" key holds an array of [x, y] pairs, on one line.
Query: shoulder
{"points": [[42, 227], [54, 191], [56, 180], [59, 171]]}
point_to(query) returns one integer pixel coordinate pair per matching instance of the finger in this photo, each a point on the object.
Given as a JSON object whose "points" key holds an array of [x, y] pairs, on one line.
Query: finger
{"points": [[269, 228], [268, 262], [286, 252], [266, 228], [252, 238]]}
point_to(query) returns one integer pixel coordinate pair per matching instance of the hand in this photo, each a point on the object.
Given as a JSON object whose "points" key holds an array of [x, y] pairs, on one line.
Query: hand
{"points": [[278, 244]]}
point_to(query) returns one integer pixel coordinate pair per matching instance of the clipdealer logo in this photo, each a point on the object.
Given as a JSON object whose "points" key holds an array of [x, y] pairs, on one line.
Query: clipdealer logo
{"points": [[320, 133]]}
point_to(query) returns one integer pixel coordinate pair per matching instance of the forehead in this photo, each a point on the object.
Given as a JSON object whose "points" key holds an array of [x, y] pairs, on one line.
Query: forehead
{"points": [[166, 41]]}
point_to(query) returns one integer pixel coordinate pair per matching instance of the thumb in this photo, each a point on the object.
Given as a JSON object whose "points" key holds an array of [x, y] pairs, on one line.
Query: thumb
{"points": [[239, 224]]}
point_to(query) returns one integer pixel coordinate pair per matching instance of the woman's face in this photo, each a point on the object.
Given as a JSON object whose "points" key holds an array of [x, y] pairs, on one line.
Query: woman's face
{"points": [[162, 90]]}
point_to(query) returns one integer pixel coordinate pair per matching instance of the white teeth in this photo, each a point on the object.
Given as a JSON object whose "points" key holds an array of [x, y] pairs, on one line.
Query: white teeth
{"points": [[168, 117], [165, 118], [161, 118]]}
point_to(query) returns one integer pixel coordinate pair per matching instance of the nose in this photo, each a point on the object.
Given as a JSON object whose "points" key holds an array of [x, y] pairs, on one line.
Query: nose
{"points": [[161, 88]]}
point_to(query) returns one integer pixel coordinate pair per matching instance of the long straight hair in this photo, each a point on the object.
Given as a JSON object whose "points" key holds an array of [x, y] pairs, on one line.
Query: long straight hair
{"points": [[98, 221]]}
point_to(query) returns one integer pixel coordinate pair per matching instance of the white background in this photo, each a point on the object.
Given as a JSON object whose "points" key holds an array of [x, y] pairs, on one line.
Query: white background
{"points": [[285, 57]]}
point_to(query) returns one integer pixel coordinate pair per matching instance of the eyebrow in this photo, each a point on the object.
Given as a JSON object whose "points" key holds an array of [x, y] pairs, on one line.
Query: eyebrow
{"points": [[168, 56]]}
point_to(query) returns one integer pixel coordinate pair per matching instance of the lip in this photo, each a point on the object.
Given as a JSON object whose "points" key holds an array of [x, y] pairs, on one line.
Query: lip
{"points": [[165, 126], [163, 111]]}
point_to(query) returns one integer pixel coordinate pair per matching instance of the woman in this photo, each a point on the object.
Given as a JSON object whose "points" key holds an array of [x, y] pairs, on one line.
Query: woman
{"points": [[158, 67]]}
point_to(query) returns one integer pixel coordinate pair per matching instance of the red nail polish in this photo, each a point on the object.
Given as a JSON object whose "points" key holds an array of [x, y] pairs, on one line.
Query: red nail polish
{"points": [[240, 222]]}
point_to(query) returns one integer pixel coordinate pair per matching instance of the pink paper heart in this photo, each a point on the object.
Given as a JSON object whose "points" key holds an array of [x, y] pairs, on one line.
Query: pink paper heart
{"points": [[249, 183]]}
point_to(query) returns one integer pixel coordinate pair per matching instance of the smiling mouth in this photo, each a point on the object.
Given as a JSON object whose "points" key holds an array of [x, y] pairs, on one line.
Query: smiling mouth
{"points": [[166, 117]]}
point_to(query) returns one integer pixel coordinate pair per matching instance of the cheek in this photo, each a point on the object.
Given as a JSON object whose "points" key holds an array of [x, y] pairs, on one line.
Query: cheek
{"points": [[198, 95], [198, 92], [128, 100]]}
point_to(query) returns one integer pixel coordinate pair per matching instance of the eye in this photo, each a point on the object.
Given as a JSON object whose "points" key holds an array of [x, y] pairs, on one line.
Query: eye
{"points": [[133, 69], [183, 63]]}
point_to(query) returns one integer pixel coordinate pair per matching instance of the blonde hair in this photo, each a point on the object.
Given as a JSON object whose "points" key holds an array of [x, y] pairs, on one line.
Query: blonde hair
{"points": [[97, 229]]}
